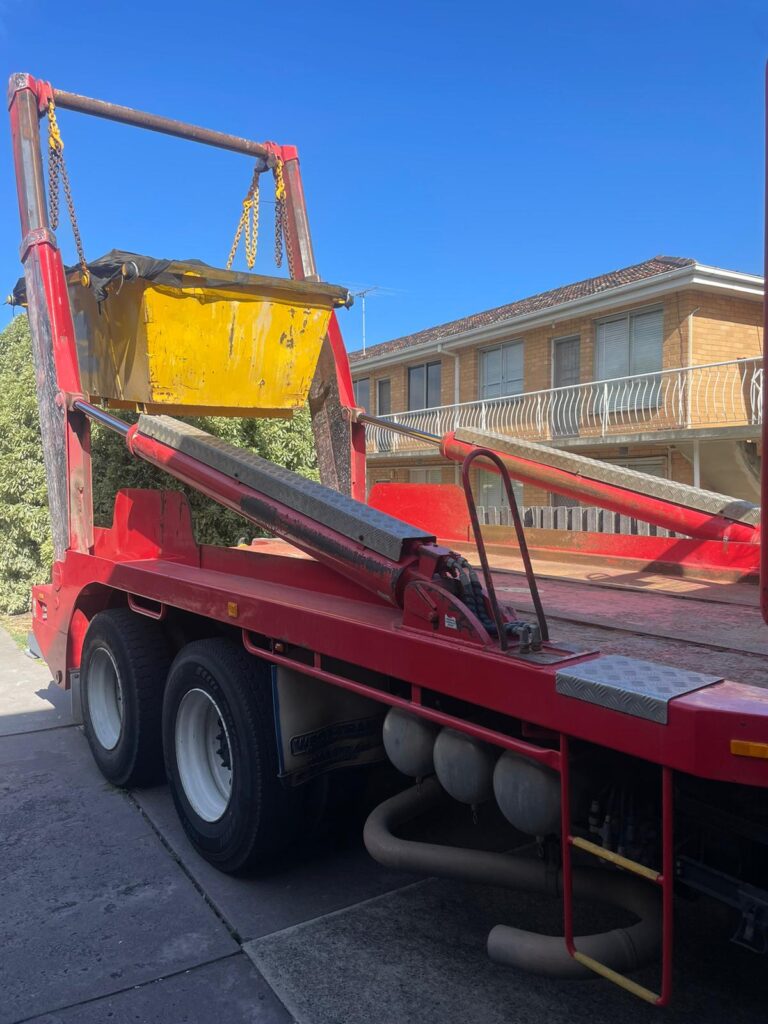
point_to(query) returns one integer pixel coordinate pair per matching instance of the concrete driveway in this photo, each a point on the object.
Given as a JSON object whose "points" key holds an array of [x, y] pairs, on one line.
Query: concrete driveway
{"points": [[107, 914]]}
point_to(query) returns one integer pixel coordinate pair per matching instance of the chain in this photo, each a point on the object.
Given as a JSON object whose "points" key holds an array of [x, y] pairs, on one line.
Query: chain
{"points": [[280, 215], [58, 169], [249, 222]]}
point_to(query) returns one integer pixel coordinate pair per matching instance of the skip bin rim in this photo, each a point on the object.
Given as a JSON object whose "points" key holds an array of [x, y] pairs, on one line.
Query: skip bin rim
{"points": [[189, 274]]}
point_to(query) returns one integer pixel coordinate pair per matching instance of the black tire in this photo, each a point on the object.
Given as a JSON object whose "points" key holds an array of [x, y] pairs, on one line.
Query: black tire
{"points": [[262, 817], [136, 648]]}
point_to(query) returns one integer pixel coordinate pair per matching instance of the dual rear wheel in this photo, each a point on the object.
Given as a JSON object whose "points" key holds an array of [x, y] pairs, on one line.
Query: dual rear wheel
{"points": [[206, 717]]}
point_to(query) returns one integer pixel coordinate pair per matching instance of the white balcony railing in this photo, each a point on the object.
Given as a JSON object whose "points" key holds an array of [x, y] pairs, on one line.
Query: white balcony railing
{"points": [[710, 396]]}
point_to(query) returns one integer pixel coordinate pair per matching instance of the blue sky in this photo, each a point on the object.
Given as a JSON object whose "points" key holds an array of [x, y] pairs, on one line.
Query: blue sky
{"points": [[456, 155]]}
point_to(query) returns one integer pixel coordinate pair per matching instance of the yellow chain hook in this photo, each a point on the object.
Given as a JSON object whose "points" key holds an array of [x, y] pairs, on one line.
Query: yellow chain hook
{"points": [[280, 196], [249, 221], [279, 182], [55, 140], [58, 169]]}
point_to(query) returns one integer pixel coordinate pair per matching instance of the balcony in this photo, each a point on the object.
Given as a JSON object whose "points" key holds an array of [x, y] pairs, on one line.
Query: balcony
{"points": [[713, 400]]}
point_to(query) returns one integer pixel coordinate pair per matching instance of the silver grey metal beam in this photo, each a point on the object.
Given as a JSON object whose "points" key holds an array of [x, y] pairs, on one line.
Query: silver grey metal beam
{"points": [[398, 428], [102, 417]]}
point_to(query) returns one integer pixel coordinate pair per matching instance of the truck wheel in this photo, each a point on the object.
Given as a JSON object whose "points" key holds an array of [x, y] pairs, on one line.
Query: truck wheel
{"points": [[123, 669], [221, 757]]}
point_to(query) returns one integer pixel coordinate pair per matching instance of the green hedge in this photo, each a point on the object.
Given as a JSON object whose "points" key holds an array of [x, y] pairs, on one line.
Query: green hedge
{"points": [[25, 546]]}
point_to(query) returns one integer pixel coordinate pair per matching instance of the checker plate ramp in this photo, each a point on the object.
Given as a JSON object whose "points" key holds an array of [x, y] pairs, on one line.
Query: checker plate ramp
{"points": [[374, 530], [639, 688], [606, 472]]}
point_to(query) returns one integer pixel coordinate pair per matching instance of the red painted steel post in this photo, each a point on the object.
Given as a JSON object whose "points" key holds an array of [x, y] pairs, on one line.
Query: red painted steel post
{"points": [[347, 400], [667, 883], [298, 241], [565, 827], [65, 433], [339, 441]]}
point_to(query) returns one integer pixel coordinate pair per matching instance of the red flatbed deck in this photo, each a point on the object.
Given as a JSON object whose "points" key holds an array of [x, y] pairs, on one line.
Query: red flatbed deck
{"points": [[296, 612], [692, 622]]}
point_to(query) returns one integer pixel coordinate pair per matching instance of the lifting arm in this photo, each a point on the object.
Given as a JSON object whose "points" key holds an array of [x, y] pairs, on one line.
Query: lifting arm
{"points": [[695, 513]]}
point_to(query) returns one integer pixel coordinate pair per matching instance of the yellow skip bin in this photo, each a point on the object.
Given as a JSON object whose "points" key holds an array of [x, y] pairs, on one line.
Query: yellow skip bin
{"points": [[185, 338]]}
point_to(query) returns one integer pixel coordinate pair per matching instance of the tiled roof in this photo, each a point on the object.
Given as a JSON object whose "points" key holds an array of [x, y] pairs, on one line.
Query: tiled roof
{"points": [[544, 300]]}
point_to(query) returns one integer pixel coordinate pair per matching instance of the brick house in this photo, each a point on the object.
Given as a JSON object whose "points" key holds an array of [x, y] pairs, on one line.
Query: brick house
{"points": [[656, 366]]}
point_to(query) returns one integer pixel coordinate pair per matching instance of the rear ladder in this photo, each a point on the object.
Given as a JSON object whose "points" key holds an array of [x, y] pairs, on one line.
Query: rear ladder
{"points": [[663, 878]]}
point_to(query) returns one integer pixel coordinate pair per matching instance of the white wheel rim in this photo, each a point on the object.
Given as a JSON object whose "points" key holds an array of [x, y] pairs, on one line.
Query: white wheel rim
{"points": [[105, 698], [203, 754]]}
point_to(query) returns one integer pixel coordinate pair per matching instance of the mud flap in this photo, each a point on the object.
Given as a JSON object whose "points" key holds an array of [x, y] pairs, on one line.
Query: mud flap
{"points": [[322, 727]]}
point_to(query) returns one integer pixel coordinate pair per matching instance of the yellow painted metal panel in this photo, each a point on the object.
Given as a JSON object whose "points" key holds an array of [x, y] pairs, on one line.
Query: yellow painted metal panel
{"points": [[199, 348]]}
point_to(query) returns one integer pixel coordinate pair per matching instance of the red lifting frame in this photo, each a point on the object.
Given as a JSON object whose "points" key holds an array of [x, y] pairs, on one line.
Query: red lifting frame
{"points": [[65, 431]]}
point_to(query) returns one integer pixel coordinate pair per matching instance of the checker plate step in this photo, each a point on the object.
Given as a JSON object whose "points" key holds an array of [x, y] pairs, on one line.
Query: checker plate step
{"points": [[375, 530], [635, 687]]}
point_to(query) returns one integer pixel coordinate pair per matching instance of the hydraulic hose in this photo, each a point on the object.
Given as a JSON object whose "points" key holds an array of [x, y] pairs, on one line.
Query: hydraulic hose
{"points": [[622, 949]]}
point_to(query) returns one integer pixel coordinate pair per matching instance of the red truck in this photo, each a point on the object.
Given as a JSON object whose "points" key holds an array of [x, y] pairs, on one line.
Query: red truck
{"points": [[361, 631]]}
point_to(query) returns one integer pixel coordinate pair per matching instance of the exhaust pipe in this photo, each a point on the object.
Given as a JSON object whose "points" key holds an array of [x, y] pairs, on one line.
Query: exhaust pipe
{"points": [[622, 949]]}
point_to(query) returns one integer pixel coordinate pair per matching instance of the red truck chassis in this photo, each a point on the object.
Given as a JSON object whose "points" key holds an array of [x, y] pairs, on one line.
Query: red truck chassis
{"points": [[391, 627]]}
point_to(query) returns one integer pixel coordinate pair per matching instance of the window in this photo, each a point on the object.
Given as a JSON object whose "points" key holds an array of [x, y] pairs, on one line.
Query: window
{"points": [[362, 389], [383, 397], [424, 386], [501, 370], [491, 493], [629, 346], [426, 475], [563, 501], [383, 408]]}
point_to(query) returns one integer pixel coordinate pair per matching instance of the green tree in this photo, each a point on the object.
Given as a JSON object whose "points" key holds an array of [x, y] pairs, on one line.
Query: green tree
{"points": [[25, 546], [25, 543]]}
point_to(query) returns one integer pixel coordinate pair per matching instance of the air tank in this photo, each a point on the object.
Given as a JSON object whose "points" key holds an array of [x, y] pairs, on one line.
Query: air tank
{"points": [[464, 766], [408, 741], [528, 794]]}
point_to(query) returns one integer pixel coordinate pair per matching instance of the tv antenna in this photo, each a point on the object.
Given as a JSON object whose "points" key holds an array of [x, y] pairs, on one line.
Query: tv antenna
{"points": [[361, 295]]}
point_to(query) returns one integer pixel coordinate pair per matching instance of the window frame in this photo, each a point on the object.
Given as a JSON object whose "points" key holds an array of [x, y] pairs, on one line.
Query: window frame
{"points": [[627, 315], [487, 478], [379, 382], [425, 366], [355, 384], [482, 353], [426, 470], [569, 425], [617, 403]]}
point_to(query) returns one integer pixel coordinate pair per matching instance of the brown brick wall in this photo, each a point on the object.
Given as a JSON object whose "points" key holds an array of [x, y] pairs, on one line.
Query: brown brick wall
{"points": [[398, 377], [723, 328]]}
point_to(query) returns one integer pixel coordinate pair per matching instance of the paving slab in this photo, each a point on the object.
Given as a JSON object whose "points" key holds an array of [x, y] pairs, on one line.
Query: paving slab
{"points": [[321, 877], [90, 900], [230, 990], [29, 699], [49, 783], [419, 954]]}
